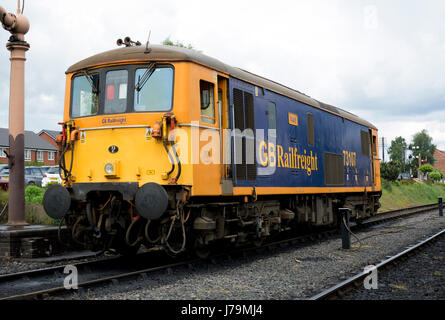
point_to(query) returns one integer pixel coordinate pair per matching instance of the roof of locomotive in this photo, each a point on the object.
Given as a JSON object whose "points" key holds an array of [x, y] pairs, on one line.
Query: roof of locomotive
{"points": [[173, 53]]}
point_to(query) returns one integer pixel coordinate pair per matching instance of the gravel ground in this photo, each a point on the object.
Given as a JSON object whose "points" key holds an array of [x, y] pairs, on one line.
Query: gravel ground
{"points": [[421, 277], [295, 272], [11, 266]]}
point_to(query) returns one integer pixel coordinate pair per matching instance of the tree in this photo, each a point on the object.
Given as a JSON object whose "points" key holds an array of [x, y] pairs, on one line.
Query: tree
{"points": [[168, 42], [426, 168], [423, 146], [436, 175], [389, 170], [397, 152]]}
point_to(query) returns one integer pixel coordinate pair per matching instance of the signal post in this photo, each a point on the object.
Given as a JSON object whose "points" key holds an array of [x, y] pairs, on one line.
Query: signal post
{"points": [[18, 25]]}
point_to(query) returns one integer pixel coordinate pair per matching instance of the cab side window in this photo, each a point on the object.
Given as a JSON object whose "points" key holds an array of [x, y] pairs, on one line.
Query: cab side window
{"points": [[207, 90], [271, 116], [310, 129], [365, 143], [116, 91]]}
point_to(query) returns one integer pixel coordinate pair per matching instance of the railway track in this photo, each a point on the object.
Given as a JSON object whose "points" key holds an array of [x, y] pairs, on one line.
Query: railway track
{"points": [[356, 281], [49, 281]]}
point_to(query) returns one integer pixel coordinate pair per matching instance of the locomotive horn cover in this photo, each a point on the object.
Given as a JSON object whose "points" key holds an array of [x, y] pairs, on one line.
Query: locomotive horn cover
{"points": [[151, 201], [56, 201]]}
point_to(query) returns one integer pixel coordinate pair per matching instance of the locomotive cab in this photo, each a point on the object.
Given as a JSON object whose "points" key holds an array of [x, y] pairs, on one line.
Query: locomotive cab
{"points": [[125, 151]]}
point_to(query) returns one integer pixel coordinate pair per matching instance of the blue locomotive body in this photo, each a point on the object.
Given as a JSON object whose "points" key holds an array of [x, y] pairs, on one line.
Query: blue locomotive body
{"points": [[298, 145]]}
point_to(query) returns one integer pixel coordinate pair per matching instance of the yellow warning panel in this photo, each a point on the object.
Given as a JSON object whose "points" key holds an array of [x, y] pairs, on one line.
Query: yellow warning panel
{"points": [[293, 119]]}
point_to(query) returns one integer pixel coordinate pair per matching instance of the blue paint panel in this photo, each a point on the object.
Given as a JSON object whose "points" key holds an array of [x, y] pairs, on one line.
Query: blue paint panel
{"points": [[332, 134]]}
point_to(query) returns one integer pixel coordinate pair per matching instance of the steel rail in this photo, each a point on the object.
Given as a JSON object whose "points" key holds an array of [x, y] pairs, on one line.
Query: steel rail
{"points": [[344, 286], [100, 280], [301, 238], [396, 214], [32, 273], [39, 274]]}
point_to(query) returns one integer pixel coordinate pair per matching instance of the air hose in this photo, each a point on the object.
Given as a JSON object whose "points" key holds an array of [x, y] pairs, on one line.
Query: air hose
{"points": [[179, 163], [59, 233], [179, 215], [127, 235], [62, 163], [147, 236], [170, 157], [165, 135]]}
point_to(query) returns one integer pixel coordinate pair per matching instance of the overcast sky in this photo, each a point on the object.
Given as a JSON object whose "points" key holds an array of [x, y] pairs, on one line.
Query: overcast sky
{"points": [[382, 60]]}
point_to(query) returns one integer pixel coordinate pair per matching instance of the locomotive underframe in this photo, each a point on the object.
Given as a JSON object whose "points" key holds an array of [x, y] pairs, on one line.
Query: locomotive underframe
{"points": [[107, 218]]}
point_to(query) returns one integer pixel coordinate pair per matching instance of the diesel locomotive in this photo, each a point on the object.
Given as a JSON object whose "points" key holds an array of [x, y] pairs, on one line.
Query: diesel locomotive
{"points": [[167, 147]]}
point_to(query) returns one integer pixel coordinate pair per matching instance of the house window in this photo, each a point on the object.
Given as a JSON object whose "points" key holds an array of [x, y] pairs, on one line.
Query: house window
{"points": [[51, 156], [2, 153], [27, 155], [40, 156], [207, 102]]}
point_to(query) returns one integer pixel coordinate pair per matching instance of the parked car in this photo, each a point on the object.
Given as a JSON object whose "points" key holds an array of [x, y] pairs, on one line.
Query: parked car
{"points": [[51, 176], [46, 168], [4, 178], [404, 176], [33, 176]]}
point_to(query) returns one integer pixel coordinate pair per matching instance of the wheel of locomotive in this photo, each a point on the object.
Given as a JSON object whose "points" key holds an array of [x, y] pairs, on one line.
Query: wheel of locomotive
{"points": [[202, 251], [127, 250], [258, 242], [128, 242], [80, 231]]}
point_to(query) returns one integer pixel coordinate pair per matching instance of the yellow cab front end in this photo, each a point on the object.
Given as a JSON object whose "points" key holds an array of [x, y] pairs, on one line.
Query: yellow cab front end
{"points": [[126, 157], [115, 143]]}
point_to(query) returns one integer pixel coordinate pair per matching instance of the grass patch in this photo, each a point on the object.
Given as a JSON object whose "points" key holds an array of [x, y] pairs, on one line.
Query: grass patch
{"points": [[397, 195], [34, 212]]}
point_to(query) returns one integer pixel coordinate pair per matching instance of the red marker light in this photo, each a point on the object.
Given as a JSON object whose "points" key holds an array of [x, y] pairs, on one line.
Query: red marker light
{"points": [[110, 92]]}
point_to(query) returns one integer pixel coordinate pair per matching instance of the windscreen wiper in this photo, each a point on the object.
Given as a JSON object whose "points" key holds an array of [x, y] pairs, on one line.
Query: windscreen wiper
{"points": [[88, 77], [145, 77]]}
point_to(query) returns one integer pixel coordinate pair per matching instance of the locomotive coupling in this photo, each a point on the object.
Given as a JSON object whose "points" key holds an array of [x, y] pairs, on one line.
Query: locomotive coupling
{"points": [[151, 201]]}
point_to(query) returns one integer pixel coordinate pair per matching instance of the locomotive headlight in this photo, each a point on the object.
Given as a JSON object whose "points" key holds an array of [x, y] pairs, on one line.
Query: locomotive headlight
{"points": [[109, 168]]}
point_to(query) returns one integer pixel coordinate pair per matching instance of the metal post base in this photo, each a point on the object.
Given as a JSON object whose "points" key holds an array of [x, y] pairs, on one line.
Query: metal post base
{"points": [[345, 235]]}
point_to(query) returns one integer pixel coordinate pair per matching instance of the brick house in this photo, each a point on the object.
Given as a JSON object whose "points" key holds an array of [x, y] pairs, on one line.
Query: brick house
{"points": [[439, 160], [50, 136], [37, 149]]}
